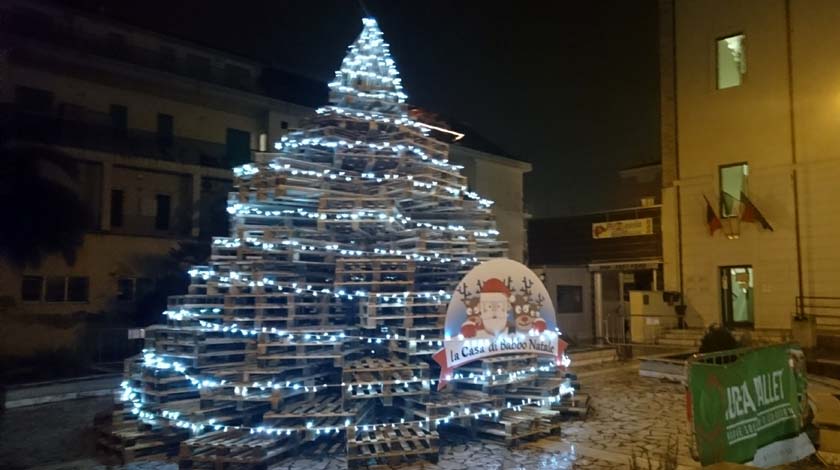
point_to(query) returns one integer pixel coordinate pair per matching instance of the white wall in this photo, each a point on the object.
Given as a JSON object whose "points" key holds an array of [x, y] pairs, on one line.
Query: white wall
{"points": [[578, 326]]}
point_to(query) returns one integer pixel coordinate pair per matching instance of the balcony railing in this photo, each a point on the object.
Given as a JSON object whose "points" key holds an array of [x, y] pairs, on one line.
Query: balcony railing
{"points": [[41, 27], [825, 310], [79, 128]]}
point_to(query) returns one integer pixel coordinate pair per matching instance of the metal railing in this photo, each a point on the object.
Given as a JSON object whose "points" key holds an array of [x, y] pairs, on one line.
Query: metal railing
{"points": [[615, 327], [824, 309], [80, 128]]}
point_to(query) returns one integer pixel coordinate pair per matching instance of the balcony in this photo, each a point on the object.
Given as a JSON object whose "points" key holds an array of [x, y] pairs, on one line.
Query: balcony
{"points": [[31, 25], [77, 127]]}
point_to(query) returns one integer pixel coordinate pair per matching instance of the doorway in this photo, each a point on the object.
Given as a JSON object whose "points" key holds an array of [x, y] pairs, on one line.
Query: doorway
{"points": [[736, 296]]}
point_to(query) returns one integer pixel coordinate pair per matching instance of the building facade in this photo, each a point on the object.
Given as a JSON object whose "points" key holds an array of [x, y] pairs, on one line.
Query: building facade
{"points": [[750, 110], [500, 179], [591, 263], [152, 123]]}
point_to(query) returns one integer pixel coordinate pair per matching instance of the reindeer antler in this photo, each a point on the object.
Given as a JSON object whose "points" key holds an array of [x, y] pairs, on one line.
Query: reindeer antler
{"points": [[479, 283], [509, 283], [465, 293], [526, 286], [540, 300]]}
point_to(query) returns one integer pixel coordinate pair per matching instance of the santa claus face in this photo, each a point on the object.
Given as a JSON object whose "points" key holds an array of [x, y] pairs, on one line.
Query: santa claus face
{"points": [[494, 311]]}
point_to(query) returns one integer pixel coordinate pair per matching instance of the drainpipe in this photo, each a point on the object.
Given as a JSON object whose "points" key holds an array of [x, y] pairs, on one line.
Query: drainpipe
{"points": [[800, 305]]}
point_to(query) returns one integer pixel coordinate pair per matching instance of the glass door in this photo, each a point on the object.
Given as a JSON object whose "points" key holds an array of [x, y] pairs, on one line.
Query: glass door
{"points": [[736, 296]]}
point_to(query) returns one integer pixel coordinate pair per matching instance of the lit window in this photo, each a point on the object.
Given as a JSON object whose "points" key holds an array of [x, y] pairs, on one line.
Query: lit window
{"points": [[731, 61], [733, 183]]}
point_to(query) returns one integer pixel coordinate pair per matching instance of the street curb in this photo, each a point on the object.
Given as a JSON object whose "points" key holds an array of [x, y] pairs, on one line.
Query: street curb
{"points": [[61, 390]]}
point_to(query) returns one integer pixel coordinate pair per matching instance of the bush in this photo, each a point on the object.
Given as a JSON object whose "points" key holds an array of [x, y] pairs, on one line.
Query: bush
{"points": [[718, 338]]}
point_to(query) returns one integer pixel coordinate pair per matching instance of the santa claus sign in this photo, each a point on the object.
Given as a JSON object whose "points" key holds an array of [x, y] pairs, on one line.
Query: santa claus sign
{"points": [[500, 307]]}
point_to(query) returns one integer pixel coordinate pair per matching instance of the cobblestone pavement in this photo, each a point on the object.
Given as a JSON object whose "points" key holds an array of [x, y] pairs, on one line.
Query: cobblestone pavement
{"points": [[630, 415]]}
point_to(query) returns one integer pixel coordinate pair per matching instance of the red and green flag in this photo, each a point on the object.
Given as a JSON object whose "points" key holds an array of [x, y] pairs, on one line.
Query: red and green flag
{"points": [[712, 220], [750, 213]]}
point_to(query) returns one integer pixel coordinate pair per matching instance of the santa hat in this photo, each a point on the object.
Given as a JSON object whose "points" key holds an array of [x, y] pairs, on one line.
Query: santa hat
{"points": [[495, 286]]}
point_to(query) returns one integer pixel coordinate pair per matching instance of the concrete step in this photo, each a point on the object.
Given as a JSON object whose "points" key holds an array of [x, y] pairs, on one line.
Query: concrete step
{"points": [[60, 390], [595, 355], [687, 333], [686, 342], [826, 367]]}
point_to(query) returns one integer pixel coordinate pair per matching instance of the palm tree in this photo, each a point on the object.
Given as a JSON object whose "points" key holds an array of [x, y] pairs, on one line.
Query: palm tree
{"points": [[43, 215]]}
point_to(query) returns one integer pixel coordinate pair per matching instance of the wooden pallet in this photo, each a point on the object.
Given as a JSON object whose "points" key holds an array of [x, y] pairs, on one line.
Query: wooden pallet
{"points": [[575, 405], [451, 407], [391, 445], [374, 274], [412, 313], [497, 382], [125, 439], [511, 427], [540, 389], [325, 411], [397, 378], [233, 449]]}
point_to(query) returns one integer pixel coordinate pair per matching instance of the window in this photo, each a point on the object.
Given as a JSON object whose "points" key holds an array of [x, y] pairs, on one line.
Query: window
{"points": [[31, 288], [55, 289], [733, 183], [569, 299], [143, 286], [731, 61], [117, 199], [33, 99], [162, 205], [165, 128], [119, 117], [77, 289], [129, 288], [737, 288], [125, 288], [238, 147]]}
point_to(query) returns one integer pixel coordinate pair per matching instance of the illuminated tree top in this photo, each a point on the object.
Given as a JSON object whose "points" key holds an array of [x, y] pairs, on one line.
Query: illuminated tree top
{"points": [[368, 78]]}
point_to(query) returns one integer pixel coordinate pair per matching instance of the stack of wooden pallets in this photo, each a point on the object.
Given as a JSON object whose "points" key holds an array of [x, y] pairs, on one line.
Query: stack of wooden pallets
{"points": [[312, 325]]}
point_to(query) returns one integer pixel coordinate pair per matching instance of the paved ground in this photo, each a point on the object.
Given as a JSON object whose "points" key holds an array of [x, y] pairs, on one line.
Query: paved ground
{"points": [[630, 415]]}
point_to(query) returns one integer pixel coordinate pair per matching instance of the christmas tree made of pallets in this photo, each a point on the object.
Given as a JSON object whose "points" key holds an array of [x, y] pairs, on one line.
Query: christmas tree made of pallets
{"points": [[313, 326]]}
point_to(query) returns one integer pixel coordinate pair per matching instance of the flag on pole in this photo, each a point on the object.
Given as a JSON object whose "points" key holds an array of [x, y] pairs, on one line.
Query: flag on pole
{"points": [[750, 213], [712, 220]]}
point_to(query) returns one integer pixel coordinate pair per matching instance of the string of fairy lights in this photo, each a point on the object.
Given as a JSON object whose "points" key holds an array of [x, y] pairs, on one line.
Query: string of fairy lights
{"points": [[367, 177], [368, 61], [133, 395], [369, 58], [154, 361]]}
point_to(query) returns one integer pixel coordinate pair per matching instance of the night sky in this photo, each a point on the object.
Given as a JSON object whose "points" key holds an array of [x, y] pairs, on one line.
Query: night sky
{"points": [[571, 87]]}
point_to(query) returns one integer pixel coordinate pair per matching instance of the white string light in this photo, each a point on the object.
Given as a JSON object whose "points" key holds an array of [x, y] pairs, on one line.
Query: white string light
{"points": [[130, 394]]}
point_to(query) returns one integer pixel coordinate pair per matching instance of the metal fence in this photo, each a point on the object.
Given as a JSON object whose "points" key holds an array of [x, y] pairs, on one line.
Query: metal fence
{"points": [[825, 310]]}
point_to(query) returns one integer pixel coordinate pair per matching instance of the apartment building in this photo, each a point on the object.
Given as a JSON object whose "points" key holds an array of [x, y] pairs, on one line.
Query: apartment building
{"points": [[751, 156], [153, 124]]}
